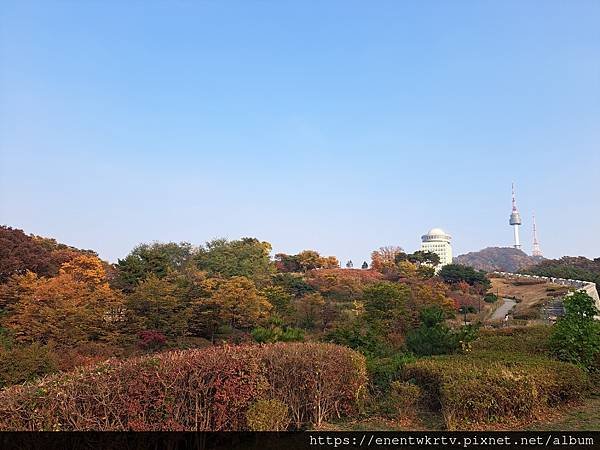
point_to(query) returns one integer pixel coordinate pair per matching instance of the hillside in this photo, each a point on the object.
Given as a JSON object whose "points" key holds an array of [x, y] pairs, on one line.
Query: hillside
{"points": [[504, 259], [577, 268]]}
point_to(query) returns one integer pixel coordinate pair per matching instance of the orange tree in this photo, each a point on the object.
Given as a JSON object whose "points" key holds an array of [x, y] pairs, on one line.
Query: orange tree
{"points": [[74, 307]]}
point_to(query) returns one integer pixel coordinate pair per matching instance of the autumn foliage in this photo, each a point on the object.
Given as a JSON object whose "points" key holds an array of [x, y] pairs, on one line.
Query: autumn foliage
{"points": [[198, 390], [73, 307]]}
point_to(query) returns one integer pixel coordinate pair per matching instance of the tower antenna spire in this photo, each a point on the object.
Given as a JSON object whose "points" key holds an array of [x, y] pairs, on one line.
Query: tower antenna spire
{"points": [[536, 250], [515, 219]]}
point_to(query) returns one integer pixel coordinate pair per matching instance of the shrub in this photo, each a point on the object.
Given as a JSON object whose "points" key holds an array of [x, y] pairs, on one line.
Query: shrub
{"points": [[433, 337], [404, 397], [151, 339], [317, 381], [385, 370], [531, 340], [490, 298], [24, 363], [400, 401], [489, 387], [208, 389], [268, 415], [576, 336], [362, 337], [277, 334]]}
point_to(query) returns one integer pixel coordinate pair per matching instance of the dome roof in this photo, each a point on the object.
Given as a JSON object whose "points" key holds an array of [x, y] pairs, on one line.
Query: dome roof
{"points": [[436, 232]]}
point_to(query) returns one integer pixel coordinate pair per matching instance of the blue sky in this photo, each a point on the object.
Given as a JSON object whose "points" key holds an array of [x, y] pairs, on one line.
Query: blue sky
{"points": [[339, 126]]}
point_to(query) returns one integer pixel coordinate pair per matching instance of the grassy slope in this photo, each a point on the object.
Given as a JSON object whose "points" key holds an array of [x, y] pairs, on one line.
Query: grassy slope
{"points": [[531, 340]]}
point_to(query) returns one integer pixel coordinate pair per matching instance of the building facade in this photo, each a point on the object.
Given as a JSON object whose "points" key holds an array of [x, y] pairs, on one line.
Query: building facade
{"points": [[438, 241]]}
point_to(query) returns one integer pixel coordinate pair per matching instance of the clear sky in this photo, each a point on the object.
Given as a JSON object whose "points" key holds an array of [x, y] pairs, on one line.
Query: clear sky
{"points": [[339, 126]]}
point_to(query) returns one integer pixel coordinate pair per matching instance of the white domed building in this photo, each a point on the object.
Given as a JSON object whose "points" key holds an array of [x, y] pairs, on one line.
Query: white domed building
{"points": [[438, 241]]}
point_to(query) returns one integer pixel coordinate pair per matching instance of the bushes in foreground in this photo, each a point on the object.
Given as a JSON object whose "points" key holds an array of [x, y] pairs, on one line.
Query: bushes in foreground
{"points": [[215, 389], [488, 387]]}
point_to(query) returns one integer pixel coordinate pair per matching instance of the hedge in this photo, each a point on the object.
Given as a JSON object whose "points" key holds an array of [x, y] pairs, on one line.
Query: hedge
{"points": [[208, 389], [532, 340], [489, 387]]}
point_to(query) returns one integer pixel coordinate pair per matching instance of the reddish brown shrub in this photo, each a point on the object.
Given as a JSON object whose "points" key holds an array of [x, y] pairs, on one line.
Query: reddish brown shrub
{"points": [[151, 339], [206, 389], [315, 380]]}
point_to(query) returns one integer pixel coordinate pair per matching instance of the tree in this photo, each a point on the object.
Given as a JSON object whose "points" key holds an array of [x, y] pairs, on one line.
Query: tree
{"points": [[304, 261], [384, 306], [330, 262], [158, 259], [247, 257], [75, 307], [406, 269], [365, 265], [156, 305], [20, 253], [309, 260], [287, 263], [575, 337], [425, 272], [341, 285], [432, 294], [280, 298], [295, 284], [239, 303], [385, 258], [349, 264], [205, 318], [433, 337], [424, 257], [309, 310], [455, 273]]}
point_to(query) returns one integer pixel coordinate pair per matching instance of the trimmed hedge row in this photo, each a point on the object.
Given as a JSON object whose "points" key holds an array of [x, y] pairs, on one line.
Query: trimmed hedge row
{"points": [[532, 340], [208, 389], [491, 387]]}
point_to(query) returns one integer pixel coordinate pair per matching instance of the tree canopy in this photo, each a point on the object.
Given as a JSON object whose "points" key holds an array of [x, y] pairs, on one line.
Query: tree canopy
{"points": [[455, 273], [247, 257]]}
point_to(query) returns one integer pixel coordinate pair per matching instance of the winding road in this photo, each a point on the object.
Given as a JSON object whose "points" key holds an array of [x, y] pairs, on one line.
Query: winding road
{"points": [[503, 309]]}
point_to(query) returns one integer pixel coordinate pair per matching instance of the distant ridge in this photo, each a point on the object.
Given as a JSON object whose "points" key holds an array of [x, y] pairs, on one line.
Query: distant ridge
{"points": [[504, 259]]}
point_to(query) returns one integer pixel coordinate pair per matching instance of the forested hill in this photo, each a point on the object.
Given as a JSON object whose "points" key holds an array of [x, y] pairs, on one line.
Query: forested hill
{"points": [[573, 267], [20, 252], [505, 259]]}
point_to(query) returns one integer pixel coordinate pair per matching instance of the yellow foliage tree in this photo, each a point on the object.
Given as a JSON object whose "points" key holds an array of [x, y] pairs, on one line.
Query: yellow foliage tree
{"points": [[240, 303], [74, 307]]}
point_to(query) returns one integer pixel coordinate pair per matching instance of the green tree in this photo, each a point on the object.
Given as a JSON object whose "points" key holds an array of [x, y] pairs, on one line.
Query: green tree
{"points": [[293, 283], [280, 298], [455, 273], [156, 305], [575, 337], [385, 302], [433, 337], [158, 259], [205, 318], [365, 265], [247, 257]]}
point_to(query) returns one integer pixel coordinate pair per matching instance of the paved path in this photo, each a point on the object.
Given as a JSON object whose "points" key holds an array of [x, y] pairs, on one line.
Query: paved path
{"points": [[504, 309]]}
